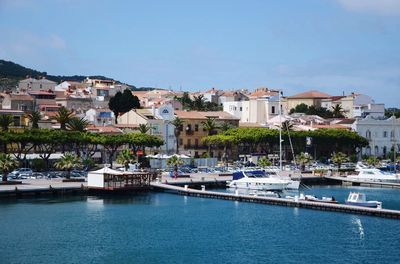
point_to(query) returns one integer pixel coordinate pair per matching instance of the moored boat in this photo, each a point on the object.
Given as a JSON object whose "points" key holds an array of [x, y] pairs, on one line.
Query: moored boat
{"points": [[359, 199]]}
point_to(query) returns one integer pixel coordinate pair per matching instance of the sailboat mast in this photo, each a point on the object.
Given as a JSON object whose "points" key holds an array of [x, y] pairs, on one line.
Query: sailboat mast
{"points": [[280, 131]]}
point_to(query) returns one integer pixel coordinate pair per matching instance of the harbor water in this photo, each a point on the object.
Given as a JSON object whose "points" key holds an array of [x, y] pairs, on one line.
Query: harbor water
{"points": [[168, 228]]}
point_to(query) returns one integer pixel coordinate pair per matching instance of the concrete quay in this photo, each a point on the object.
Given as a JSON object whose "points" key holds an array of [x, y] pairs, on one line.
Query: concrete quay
{"points": [[343, 208]]}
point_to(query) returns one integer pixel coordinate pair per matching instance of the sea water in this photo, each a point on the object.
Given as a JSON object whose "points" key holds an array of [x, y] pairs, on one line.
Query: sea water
{"points": [[168, 228]]}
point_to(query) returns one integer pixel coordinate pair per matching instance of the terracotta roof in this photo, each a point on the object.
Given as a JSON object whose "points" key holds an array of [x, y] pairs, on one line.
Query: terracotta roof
{"points": [[213, 91], [335, 98], [310, 94], [346, 121], [126, 125], [41, 93], [331, 126], [204, 115], [104, 129], [22, 97]]}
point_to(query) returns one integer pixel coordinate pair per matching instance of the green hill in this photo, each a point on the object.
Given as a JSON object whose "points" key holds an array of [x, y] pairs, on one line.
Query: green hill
{"points": [[11, 73]]}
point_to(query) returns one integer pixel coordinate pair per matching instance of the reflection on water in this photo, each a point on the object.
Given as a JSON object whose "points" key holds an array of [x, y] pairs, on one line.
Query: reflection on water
{"points": [[358, 225]]}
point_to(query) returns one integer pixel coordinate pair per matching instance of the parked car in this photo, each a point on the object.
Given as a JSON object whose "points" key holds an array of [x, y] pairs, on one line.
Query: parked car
{"points": [[21, 173]]}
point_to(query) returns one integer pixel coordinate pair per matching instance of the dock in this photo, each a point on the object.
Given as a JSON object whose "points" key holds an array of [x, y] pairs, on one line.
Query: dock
{"points": [[344, 180], [42, 187], [350, 209]]}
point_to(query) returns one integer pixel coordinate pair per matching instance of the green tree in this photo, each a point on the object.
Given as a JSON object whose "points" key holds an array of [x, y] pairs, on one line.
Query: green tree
{"points": [[7, 164], [174, 161], [225, 126], [198, 103], [6, 121], [300, 108], [337, 111], [144, 128], [178, 124], [34, 119], [123, 102], [339, 158], [68, 162], [264, 162], [210, 126], [303, 159], [125, 157], [77, 124], [63, 116]]}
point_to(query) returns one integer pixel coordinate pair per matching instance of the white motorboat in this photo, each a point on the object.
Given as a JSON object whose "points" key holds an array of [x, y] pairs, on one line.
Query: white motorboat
{"points": [[364, 173], [359, 199], [257, 180]]}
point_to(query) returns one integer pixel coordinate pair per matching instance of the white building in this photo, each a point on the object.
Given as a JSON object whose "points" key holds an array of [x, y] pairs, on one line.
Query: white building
{"points": [[258, 110], [382, 134], [159, 120], [100, 117]]}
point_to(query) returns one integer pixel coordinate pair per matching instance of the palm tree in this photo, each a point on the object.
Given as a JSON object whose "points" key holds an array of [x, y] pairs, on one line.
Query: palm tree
{"points": [[287, 126], [210, 126], [7, 164], [178, 123], [34, 119], [63, 116], [68, 162], [144, 128], [125, 157], [303, 159], [6, 121], [198, 102], [264, 162], [337, 111], [339, 158], [374, 161], [175, 161], [77, 124]]}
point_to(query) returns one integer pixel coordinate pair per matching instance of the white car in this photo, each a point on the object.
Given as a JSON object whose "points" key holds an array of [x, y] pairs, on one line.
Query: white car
{"points": [[21, 173]]}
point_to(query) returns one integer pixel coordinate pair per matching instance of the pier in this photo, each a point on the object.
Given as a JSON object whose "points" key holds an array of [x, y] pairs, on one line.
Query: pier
{"points": [[344, 181], [386, 213], [42, 187]]}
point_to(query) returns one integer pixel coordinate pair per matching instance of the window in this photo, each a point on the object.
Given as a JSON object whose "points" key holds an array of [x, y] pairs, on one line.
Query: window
{"points": [[189, 141], [180, 142], [196, 142], [240, 109], [273, 109], [368, 134], [385, 134], [196, 127]]}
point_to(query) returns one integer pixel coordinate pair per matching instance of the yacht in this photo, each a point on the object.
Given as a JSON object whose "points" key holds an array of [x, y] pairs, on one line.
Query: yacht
{"points": [[359, 199], [364, 173], [257, 180]]}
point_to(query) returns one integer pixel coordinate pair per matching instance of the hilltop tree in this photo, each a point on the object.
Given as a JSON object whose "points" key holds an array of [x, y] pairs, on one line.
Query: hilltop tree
{"points": [[123, 102]]}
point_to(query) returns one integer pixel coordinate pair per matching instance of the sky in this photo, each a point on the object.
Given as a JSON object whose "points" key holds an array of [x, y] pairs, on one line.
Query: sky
{"points": [[334, 46]]}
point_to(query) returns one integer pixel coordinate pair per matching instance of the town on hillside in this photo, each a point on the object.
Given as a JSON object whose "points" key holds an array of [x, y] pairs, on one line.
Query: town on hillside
{"points": [[89, 100]]}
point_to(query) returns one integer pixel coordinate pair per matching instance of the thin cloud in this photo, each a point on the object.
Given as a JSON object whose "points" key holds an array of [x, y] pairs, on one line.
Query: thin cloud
{"points": [[381, 7]]}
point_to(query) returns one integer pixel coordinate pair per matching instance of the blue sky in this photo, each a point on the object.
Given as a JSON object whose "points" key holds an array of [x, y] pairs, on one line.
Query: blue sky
{"points": [[334, 46]]}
